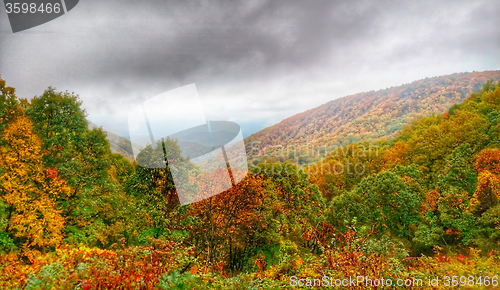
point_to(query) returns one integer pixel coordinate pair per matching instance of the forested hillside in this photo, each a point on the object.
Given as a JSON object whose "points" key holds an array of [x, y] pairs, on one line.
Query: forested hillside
{"points": [[73, 215], [371, 115], [436, 183]]}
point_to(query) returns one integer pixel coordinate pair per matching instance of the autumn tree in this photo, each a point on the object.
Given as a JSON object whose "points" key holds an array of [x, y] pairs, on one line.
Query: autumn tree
{"points": [[488, 159], [487, 164], [397, 154], [487, 192], [10, 109], [30, 189], [229, 221], [261, 212]]}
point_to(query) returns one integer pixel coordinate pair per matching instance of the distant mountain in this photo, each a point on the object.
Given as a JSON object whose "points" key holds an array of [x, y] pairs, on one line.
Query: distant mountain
{"points": [[371, 115], [118, 144]]}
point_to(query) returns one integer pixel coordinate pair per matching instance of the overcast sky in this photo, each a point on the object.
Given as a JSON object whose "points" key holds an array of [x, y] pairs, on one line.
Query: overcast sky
{"points": [[253, 62]]}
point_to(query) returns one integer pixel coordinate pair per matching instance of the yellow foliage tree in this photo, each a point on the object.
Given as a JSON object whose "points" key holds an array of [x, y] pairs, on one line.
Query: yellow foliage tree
{"points": [[487, 192], [30, 189]]}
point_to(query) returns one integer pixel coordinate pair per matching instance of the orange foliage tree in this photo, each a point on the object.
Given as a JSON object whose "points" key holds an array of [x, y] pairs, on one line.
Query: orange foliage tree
{"points": [[230, 219], [488, 159], [487, 164]]}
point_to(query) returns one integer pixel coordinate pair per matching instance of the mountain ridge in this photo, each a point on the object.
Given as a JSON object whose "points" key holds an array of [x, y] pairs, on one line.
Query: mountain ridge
{"points": [[369, 116]]}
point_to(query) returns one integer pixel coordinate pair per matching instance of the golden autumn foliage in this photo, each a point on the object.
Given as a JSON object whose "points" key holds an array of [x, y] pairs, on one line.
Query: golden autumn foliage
{"points": [[30, 189], [487, 192], [487, 164], [396, 155], [14, 272]]}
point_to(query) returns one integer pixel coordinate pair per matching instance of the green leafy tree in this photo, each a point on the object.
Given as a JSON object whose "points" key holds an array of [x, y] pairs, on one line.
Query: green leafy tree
{"points": [[390, 199], [97, 210], [154, 188]]}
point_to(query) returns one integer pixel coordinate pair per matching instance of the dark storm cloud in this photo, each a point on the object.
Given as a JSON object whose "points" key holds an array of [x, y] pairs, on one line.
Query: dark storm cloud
{"points": [[178, 39], [259, 61], [289, 32]]}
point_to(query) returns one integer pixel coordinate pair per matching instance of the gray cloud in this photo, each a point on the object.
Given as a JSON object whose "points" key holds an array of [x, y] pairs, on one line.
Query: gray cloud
{"points": [[255, 62]]}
